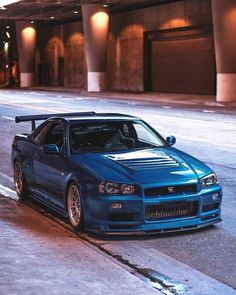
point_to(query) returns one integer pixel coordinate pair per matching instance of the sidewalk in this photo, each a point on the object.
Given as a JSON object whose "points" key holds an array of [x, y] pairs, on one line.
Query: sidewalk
{"points": [[40, 257], [187, 100]]}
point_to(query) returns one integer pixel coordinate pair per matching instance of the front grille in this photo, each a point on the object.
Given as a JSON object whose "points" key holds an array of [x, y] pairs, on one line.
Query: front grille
{"points": [[171, 209], [170, 190]]}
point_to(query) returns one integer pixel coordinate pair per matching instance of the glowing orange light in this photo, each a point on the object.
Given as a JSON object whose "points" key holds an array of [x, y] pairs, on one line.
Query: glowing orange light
{"points": [[134, 30], [28, 34], [57, 44], [100, 20], [14, 70], [76, 38], [176, 23], [229, 19]]}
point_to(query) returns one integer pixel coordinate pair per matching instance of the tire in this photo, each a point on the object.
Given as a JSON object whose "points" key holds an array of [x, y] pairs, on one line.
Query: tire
{"points": [[19, 181], [74, 207]]}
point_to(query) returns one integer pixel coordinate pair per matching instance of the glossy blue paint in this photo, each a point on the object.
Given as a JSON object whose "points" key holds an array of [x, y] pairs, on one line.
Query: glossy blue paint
{"points": [[165, 180]]}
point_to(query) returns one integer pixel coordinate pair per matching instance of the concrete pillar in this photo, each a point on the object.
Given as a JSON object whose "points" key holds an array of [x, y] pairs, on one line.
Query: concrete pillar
{"points": [[96, 29], [26, 42], [224, 23]]}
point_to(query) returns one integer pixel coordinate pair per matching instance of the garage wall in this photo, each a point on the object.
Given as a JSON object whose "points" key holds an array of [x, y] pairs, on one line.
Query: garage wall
{"points": [[126, 63], [50, 49], [62, 47], [61, 53], [75, 64]]}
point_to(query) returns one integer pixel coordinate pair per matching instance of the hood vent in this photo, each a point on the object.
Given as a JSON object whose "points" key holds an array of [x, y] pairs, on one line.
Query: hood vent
{"points": [[151, 163]]}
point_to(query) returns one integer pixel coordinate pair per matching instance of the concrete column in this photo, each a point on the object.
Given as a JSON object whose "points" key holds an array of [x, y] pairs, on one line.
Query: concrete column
{"points": [[224, 23], [26, 42], [96, 29]]}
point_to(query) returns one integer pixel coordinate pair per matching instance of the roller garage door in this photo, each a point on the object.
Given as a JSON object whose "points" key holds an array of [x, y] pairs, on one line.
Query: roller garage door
{"points": [[183, 62]]}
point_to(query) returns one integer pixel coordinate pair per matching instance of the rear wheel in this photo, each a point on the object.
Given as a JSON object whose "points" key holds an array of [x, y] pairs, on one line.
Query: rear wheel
{"points": [[19, 181], [74, 207]]}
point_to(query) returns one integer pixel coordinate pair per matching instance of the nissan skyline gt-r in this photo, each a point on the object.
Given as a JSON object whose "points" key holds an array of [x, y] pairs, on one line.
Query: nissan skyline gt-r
{"points": [[113, 174]]}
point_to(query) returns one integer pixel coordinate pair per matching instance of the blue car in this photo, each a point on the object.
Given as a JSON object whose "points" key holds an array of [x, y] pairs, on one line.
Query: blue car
{"points": [[113, 174]]}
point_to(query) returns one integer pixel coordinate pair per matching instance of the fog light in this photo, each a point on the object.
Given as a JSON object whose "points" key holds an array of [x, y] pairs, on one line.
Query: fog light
{"points": [[116, 206], [216, 196]]}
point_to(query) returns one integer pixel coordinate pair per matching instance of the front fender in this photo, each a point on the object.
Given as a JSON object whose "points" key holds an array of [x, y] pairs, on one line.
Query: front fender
{"points": [[86, 182]]}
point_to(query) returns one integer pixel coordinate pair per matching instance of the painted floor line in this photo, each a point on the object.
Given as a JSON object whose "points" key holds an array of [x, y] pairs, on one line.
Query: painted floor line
{"points": [[44, 109], [7, 192], [8, 118], [23, 100], [207, 111], [10, 179]]}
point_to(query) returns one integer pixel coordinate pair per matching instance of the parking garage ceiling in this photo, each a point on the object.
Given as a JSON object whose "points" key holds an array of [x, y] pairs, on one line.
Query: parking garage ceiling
{"points": [[66, 10]]}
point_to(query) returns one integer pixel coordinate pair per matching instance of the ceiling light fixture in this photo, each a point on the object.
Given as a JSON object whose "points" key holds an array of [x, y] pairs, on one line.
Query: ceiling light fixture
{"points": [[104, 5], [3, 8], [76, 12], [8, 35], [32, 22], [52, 17], [7, 27]]}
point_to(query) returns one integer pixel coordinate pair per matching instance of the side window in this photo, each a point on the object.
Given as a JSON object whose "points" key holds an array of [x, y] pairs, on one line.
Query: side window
{"points": [[55, 135], [52, 133]]}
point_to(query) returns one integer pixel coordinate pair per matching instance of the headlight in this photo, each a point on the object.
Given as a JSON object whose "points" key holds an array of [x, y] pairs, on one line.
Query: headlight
{"points": [[111, 188], [210, 179]]}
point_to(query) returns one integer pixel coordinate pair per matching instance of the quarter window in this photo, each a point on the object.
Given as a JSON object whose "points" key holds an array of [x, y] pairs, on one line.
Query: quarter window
{"points": [[39, 137]]}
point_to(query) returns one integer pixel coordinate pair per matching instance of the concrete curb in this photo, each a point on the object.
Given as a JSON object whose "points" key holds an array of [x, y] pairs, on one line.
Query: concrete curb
{"points": [[187, 100]]}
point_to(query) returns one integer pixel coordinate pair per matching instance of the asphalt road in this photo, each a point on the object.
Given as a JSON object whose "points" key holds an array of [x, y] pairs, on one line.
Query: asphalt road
{"points": [[198, 258]]}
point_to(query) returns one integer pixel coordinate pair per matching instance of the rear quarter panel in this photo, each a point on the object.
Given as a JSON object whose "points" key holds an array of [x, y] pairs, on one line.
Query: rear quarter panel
{"points": [[23, 150]]}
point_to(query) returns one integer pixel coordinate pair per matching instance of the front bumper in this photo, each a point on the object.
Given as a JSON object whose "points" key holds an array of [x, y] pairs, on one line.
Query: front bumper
{"points": [[128, 214]]}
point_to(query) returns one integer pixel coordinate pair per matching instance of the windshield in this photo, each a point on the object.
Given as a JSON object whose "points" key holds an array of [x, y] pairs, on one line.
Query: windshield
{"points": [[112, 136]]}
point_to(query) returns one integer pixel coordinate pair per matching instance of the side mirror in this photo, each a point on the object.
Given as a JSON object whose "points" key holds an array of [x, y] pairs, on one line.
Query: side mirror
{"points": [[171, 140], [51, 149]]}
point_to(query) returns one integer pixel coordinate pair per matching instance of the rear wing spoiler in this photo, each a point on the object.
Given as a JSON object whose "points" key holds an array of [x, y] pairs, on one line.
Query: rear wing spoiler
{"points": [[34, 118]]}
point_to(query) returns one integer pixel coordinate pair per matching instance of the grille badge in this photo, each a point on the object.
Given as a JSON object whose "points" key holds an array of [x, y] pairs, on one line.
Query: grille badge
{"points": [[170, 189]]}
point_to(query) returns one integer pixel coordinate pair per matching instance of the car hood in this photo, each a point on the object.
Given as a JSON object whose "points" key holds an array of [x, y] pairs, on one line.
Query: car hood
{"points": [[144, 166]]}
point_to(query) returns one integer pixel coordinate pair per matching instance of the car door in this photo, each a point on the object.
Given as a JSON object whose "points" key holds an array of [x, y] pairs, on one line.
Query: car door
{"points": [[49, 169]]}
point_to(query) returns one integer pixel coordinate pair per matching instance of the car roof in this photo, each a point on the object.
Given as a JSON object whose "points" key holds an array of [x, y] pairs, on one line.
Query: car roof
{"points": [[76, 117], [96, 117]]}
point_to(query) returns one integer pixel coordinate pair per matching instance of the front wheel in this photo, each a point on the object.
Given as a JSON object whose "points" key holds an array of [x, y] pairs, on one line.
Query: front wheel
{"points": [[19, 181], [74, 207]]}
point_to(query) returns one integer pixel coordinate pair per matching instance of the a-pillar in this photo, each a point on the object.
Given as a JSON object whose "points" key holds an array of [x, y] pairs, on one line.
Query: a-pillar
{"points": [[96, 30], [224, 23], [26, 43]]}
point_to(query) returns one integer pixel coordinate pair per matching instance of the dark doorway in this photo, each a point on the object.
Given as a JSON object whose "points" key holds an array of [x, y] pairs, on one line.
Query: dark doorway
{"points": [[61, 71], [44, 76]]}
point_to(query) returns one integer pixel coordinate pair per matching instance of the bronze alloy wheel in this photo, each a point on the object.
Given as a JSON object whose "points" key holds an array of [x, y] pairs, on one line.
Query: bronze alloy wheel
{"points": [[74, 206], [19, 180]]}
